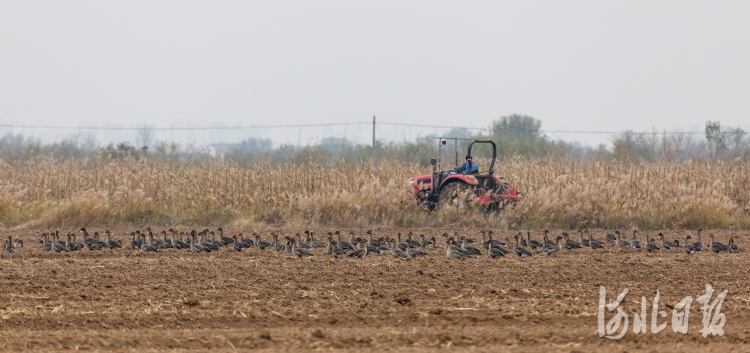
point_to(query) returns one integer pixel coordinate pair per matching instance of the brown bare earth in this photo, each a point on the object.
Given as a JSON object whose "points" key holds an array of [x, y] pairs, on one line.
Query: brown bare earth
{"points": [[179, 301]]}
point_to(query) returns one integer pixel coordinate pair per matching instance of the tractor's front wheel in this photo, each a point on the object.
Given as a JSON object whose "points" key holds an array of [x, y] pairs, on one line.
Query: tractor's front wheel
{"points": [[456, 193]]}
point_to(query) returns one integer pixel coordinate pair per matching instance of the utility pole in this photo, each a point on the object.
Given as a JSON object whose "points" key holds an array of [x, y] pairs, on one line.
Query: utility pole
{"points": [[373, 141]]}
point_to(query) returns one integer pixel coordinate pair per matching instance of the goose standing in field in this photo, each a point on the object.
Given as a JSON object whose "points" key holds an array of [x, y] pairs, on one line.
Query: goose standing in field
{"points": [[557, 249], [717, 247], [733, 248], [699, 244], [147, 247], [400, 244], [548, 243], [315, 244], [299, 243], [395, 251], [342, 244], [135, 243], [609, 236], [9, 248], [650, 246], [57, 247], [276, 245], [621, 242], [194, 245], [425, 243], [111, 243], [413, 243], [361, 251], [179, 243], [532, 243], [495, 246], [494, 252], [522, 240], [635, 243], [469, 249], [336, 252], [667, 244], [225, 241], [689, 248], [413, 252], [297, 252], [584, 241], [236, 244], [595, 244], [166, 243], [452, 251], [521, 252], [261, 244], [570, 244]]}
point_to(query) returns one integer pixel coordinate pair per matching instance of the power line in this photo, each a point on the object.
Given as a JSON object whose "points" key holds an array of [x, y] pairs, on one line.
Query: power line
{"points": [[55, 127], [170, 128]]}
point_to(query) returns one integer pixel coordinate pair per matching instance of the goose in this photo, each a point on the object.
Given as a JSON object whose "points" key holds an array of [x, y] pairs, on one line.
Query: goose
{"points": [[297, 252], [396, 252], [570, 244], [86, 237], [494, 245], [452, 252], [650, 246], [336, 252], [425, 243], [58, 239], [246, 242], [92, 246], [166, 243], [688, 248], [635, 243], [413, 243], [667, 244], [414, 252], [361, 251], [315, 244], [301, 244], [532, 243], [621, 242], [9, 248], [609, 236], [557, 249], [353, 239], [521, 252], [595, 244], [57, 247], [699, 244], [226, 241], [46, 245], [546, 240], [276, 245], [146, 247], [194, 245], [522, 241], [494, 252], [717, 247], [179, 243], [261, 244], [733, 248], [581, 239], [135, 244], [236, 244], [111, 243], [342, 244], [434, 244], [469, 249], [400, 244]]}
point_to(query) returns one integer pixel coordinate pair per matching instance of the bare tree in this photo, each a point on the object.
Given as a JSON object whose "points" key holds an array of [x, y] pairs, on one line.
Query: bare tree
{"points": [[145, 137]]}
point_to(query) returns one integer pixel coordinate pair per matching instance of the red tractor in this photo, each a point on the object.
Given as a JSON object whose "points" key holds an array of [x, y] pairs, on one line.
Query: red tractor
{"points": [[443, 187]]}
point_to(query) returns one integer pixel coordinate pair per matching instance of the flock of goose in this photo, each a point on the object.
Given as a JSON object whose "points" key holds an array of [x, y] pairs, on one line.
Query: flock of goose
{"points": [[301, 245]]}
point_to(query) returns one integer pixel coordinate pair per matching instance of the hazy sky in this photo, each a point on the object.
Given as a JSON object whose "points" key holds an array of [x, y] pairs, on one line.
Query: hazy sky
{"points": [[576, 65]]}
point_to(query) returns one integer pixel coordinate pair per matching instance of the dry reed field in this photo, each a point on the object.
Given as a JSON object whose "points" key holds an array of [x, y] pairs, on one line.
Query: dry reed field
{"points": [[48, 193]]}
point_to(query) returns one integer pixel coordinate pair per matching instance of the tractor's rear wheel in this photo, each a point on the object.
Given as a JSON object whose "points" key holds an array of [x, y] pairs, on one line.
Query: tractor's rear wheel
{"points": [[454, 193]]}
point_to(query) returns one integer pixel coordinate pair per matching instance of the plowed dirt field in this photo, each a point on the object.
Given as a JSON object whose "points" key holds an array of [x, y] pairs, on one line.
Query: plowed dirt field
{"points": [[128, 300]]}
